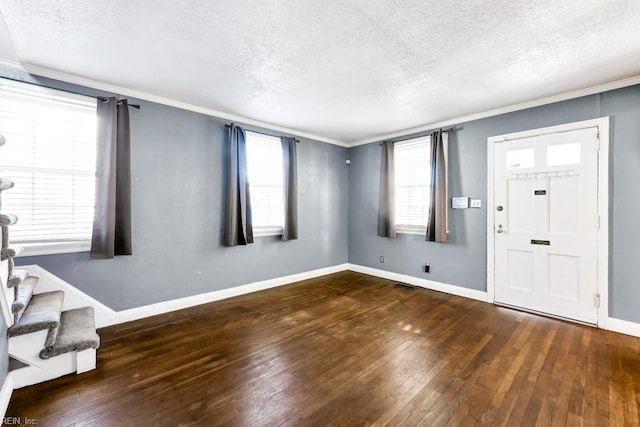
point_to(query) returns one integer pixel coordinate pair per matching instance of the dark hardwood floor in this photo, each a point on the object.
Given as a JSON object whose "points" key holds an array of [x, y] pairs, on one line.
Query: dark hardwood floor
{"points": [[344, 350]]}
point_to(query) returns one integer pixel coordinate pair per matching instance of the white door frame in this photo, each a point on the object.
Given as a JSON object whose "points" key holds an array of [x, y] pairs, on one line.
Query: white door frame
{"points": [[602, 124]]}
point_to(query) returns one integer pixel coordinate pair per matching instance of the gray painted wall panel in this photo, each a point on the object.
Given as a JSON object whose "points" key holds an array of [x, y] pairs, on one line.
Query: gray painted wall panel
{"points": [[462, 261]]}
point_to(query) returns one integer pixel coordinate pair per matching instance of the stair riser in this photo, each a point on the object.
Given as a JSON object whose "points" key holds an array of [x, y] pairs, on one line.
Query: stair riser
{"points": [[47, 370], [26, 348]]}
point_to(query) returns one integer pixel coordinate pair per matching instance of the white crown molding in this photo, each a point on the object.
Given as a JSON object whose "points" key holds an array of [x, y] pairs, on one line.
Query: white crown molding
{"points": [[93, 84], [504, 110], [70, 78]]}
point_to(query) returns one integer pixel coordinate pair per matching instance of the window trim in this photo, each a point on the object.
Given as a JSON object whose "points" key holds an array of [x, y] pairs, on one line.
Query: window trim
{"points": [[268, 230], [55, 248], [407, 228], [265, 231]]}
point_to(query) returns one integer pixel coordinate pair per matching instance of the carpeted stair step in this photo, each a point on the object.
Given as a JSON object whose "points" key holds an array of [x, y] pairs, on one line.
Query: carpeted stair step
{"points": [[5, 183], [5, 237], [17, 277], [9, 253], [77, 332], [24, 292], [43, 312], [7, 219]]}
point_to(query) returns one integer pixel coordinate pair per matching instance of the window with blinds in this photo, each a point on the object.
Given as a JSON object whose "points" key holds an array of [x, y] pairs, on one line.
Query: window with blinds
{"points": [[266, 183], [412, 184], [50, 154]]}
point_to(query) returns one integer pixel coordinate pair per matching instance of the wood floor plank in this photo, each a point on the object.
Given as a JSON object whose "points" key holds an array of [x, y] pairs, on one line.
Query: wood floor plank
{"points": [[347, 349]]}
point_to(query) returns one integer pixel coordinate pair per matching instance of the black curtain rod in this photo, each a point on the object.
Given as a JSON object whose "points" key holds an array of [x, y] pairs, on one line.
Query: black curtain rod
{"points": [[262, 133], [102, 98], [420, 134], [105, 99]]}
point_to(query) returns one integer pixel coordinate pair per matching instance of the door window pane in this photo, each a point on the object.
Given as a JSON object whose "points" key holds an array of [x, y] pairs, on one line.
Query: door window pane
{"points": [[520, 159], [564, 154]]}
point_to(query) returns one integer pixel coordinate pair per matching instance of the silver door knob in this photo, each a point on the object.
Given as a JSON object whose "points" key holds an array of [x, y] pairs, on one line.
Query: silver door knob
{"points": [[499, 230]]}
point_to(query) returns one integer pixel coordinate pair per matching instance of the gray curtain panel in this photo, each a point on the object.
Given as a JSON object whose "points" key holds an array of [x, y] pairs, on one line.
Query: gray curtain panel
{"points": [[112, 216], [437, 218], [238, 228], [386, 200], [290, 166]]}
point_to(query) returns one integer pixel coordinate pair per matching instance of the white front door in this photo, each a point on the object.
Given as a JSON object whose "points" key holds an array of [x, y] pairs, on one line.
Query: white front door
{"points": [[546, 223]]}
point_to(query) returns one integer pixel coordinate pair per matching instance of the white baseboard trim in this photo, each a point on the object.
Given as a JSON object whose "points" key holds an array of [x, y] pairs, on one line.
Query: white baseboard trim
{"points": [[181, 303], [5, 394], [116, 317], [423, 283], [622, 326]]}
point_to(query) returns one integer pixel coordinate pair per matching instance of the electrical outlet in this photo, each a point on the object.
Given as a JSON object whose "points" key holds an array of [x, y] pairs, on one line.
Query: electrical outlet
{"points": [[381, 259], [427, 268], [476, 203]]}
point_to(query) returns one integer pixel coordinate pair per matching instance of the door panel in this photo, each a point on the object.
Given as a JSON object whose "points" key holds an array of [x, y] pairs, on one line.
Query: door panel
{"points": [[545, 240], [520, 270], [564, 206], [564, 276], [520, 212]]}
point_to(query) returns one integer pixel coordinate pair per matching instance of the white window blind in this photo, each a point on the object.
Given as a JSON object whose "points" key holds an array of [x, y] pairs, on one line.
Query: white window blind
{"points": [[266, 183], [412, 184], [50, 154]]}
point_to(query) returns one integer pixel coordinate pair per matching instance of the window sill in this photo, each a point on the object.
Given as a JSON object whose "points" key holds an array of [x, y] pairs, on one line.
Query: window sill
{"points": [[38, 249], [267, 231], [411, 230]]}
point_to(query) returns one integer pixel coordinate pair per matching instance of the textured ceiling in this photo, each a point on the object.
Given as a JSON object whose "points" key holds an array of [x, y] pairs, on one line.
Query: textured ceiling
{"points": [[342, 69]]}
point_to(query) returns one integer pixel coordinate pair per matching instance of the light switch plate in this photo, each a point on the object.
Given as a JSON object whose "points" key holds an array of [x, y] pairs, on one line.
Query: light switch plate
{"points": [[476, 203]]}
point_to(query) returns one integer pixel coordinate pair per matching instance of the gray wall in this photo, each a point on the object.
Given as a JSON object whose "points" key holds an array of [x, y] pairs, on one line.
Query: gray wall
{"points": [[462, 261], [178, 195]]}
